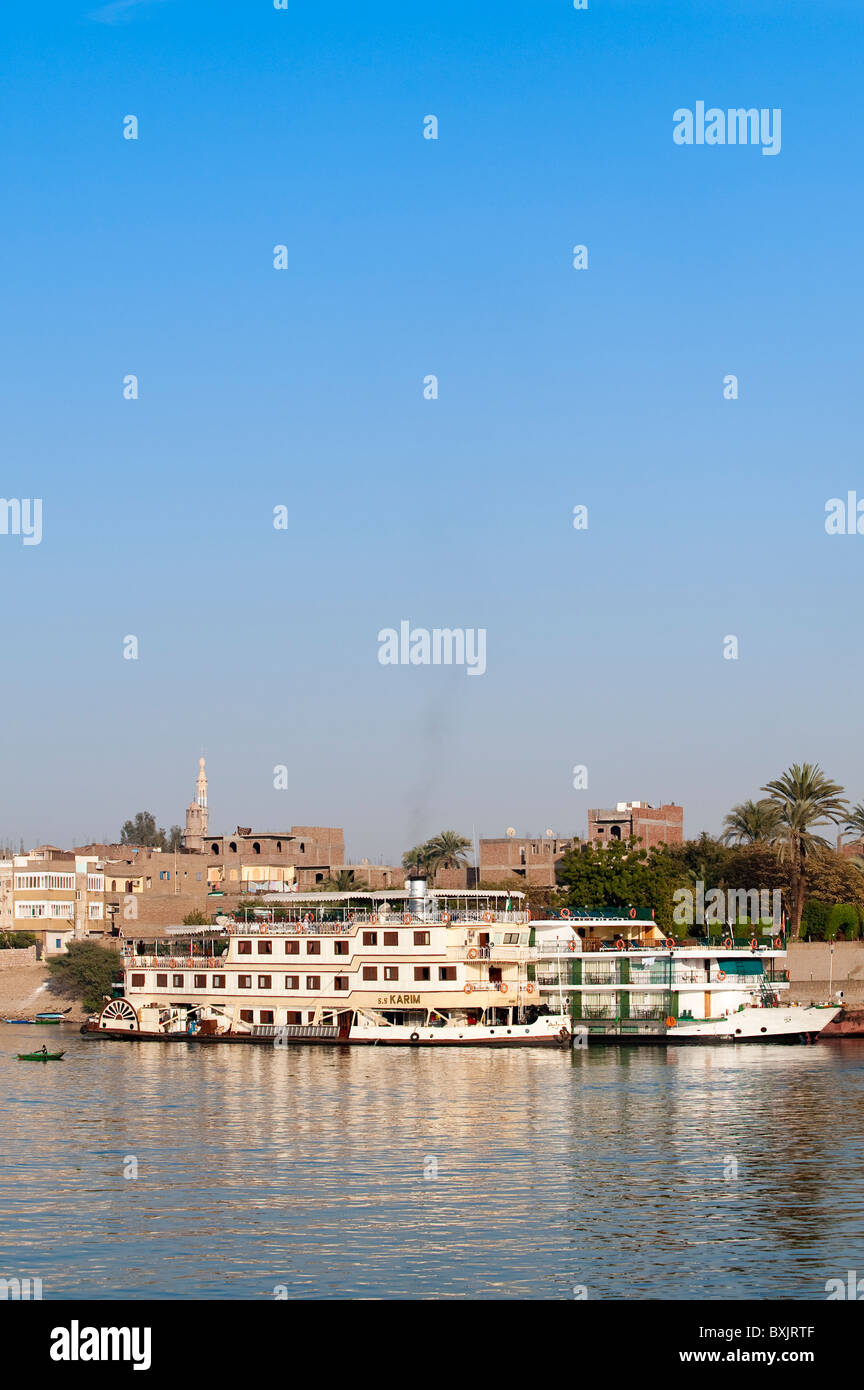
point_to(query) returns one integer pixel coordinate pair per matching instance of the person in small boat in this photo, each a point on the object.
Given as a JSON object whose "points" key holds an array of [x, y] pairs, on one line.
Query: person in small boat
{"points": [[44, 1050]]}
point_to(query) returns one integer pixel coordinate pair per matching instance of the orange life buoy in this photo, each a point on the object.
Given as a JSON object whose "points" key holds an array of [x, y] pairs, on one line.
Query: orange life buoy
{"points": [[503, 989], [572, 946], [374, 919], [728, 943], [621, 944], [488, 916], [754, 942], [787, 974], [529, 988], [406, 918], [473, 953], [469, 989], [670, 943], [445, 918], [670, 1022], [565, 912], [632, 912], [777, 944], [721, 974]]}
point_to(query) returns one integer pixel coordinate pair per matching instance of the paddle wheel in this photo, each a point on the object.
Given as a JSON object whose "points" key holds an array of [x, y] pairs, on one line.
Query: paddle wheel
{"points": [[119, 1013]]}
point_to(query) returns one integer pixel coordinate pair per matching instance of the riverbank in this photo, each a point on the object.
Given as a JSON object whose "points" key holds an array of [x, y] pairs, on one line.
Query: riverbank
{"points": [[23, 992]]}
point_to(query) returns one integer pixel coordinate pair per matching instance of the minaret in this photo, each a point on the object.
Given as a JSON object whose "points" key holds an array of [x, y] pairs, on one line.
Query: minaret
{"points": [[196, 814]]}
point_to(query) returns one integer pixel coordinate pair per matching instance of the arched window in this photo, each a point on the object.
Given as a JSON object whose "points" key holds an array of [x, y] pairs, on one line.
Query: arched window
{"points": [[615, 832], [302, 848], [214, 849], [233, 846], [256, 847], [113, 885], [279, 846]]}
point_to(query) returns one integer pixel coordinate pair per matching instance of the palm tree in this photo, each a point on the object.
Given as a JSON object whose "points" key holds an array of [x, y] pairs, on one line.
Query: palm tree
{"points": [[449, 850], [855, 823], [804, 798], [342, 882], [751, 823], [417, 860]]}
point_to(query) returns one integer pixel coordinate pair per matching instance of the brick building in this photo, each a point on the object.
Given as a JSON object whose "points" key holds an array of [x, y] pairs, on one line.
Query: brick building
{"points": [[534, 859], [652, 825]]}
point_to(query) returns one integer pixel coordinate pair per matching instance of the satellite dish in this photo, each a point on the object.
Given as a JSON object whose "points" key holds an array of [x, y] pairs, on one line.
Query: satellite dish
{"points": [[510, 830], [551, 834]]}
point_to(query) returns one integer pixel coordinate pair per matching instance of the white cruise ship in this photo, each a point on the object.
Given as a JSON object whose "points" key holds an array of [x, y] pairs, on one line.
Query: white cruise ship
{"points": [[438, 967]]}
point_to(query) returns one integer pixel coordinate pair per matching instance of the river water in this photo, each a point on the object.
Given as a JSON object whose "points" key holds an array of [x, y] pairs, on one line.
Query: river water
{"points": [[612, 1173]]}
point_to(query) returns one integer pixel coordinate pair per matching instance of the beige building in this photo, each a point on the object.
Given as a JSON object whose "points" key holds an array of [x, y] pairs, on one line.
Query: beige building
{"points": [[58, 898]]}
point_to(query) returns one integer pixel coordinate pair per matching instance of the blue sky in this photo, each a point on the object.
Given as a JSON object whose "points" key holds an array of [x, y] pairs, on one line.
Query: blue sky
{"points": [[304, 387]]}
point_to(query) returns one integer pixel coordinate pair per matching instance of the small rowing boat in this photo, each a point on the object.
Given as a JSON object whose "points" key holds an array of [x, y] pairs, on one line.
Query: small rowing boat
{"points": [[40, 1056]]}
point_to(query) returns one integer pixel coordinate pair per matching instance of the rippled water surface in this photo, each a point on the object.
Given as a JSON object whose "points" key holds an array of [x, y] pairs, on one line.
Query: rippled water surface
{"points": [[314, 1169]]}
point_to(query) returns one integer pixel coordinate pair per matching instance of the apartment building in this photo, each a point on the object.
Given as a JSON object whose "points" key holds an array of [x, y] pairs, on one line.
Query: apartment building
{"points": [[57, 897]]}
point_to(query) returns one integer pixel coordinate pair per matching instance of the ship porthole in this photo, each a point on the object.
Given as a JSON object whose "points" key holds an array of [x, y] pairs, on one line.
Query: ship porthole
{"points": [[763, 1030]]}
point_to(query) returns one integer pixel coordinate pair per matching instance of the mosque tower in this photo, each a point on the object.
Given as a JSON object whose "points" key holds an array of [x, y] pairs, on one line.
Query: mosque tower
{"points": [[196, 814]]}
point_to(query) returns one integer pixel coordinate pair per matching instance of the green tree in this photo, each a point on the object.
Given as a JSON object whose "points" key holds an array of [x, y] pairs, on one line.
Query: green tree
{"points": [[446, 850], [143, 830], [17, 940], [196, 918], [86, 972], [805, 799], [751, 822]]}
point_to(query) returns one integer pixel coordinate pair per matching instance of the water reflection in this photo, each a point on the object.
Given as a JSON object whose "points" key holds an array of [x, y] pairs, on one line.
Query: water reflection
{"points": [[613, 1168]]}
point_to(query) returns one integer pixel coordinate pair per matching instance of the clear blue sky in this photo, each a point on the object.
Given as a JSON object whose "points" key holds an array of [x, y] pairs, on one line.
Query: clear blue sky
{"points": [[304, 387]]}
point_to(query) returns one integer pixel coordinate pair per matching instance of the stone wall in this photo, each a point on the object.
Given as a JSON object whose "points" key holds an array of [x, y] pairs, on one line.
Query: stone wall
{"points": [[810, 971], [18, 959]]}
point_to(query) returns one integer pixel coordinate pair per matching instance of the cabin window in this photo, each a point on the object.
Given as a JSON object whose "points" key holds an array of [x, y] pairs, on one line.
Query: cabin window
{"points": [[370, 938], [218, 981], [247, 1016], [265, 1016], [391, 938], [244, 981], [313, 981], [265, 981], [265, 948], [313, 948], [340, 982], [138, 980], [421, 938], [161, 981], [370, 972], [293, 1016], [292, 948], [340, 948], [446, 972], [292, 981], [244, 948], [391, 972], [177, 981], [200, 981], [422, 972], [511, 938]]}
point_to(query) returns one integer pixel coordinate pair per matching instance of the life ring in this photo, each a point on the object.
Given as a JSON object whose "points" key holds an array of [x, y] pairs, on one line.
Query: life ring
{"points": [[754, 943], [787, 974], [671, 943], [469, 989], [374, 919], [632, 912], [777, 944], [473, 953], [728, 943], [621, 944], [503, 989], [670, 1022], [172, 965], [572, 946], [445, 918], [406, 918], [488, 916], [565, 912], [529, 988], [721, 974]]}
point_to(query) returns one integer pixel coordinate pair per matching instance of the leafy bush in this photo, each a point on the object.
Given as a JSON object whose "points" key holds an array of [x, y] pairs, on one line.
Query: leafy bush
{"points": [[844, 918], [17, 940], [196, 919], [814, 922], [86, 972]]}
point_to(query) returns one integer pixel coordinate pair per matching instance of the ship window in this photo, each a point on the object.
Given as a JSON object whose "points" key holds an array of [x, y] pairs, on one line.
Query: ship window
{"points": [[422, 972], [370, 972], [391, 972], [313, 948], [340, 982], [265, 948], [446, 972], [293, 1016], [244, 948], [340, 948], [421, 938], [292, 981], [292, 948], [264, 981], [218, 981], [246, 1016], [313, 981], [138, 980], [370, 938], [391, 938], [161, 981], [511, 938], [200, 981], [265, 1016], [177, 981], [244, 981]]}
